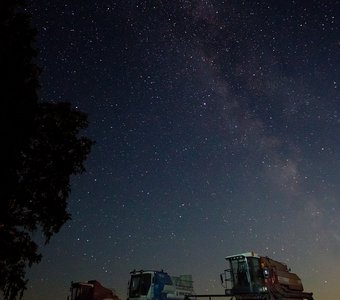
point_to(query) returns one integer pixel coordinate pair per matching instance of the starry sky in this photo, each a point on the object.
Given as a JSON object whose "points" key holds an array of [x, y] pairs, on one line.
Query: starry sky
{"points": [[217, 132]]}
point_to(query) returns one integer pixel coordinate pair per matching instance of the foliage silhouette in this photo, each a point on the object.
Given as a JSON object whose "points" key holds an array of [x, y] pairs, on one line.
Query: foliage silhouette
{"points": [[41, 149]]}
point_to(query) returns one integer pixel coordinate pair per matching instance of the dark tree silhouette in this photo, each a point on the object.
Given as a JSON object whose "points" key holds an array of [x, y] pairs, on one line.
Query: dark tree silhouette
{"points": [[41, 149]]}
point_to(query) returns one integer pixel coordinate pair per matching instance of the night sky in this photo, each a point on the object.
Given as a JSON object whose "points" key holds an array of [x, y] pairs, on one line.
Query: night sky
{"points": [[217, 130]]}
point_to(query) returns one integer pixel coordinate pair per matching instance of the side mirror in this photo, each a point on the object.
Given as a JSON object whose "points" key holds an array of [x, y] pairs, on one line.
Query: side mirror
{"points": [[221, 278]]}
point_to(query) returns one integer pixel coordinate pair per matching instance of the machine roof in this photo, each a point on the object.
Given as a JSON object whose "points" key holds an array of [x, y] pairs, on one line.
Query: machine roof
{"points": [[246, 254]]}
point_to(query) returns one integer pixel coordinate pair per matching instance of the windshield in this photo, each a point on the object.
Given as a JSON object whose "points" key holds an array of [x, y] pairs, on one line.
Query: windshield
{"points": [[139, 285], [80, 292], [240, 274]]}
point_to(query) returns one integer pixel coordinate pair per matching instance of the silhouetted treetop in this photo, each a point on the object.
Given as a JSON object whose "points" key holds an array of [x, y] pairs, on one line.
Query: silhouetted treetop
{"points": [[42, 147]]}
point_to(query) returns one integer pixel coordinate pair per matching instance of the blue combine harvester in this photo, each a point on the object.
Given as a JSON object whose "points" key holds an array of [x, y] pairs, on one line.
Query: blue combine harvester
{"points": [[159, 285]]}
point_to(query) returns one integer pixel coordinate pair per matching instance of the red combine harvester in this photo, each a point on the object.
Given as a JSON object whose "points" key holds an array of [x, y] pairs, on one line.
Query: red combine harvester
{"points": [[251, 276], [90, 290]]}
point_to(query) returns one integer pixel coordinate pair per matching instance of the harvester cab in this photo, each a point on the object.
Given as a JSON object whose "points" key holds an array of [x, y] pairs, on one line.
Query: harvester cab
{"points": [[244, 274]]}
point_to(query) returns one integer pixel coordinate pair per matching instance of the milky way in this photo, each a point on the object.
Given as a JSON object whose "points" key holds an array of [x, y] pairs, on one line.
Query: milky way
{"points": [[217, 132]]}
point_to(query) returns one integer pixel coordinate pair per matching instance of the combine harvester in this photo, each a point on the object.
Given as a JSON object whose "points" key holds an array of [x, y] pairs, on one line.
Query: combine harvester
{"points": [[159, 285], [90, 290], [250, 276]]}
